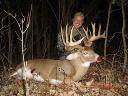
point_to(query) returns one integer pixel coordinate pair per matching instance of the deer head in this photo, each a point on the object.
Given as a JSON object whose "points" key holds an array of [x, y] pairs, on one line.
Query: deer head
{"points": [[83, 56], [88, 39]]}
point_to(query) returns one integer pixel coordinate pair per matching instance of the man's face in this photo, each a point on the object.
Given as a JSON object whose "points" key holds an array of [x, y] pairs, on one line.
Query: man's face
{"points": [[78, 21]]}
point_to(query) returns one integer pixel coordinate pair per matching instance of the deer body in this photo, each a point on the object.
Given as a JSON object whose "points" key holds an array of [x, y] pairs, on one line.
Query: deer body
{"points": [[75, 64]]}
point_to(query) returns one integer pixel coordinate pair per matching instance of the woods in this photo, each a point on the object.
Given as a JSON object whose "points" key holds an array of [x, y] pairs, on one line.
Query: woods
{"points": [[29, 30]]}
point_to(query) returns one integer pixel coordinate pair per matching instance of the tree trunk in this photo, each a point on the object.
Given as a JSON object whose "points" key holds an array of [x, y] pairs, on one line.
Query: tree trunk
{"points": [[107, 26], [123, 36]]}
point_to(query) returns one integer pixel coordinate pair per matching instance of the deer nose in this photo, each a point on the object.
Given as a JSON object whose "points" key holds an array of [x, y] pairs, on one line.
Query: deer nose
{"points": [[99, 59]]}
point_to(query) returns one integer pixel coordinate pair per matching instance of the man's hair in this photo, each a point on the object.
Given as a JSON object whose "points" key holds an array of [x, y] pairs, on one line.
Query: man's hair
{"points": [[79, 14]]}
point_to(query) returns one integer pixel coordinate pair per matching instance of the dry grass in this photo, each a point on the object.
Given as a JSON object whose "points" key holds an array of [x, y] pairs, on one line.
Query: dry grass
{"points": [[106, 81]]}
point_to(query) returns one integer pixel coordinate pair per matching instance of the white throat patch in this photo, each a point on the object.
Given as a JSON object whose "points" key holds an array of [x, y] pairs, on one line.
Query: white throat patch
{"points": [[86, 64], [72, 56]]}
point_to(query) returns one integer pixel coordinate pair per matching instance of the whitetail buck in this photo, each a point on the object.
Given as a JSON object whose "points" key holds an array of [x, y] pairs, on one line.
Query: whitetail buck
{"points": [[75, 65]]}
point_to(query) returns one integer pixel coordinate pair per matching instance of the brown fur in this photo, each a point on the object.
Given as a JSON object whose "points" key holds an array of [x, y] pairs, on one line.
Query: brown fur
{"points": [[58, 69]]}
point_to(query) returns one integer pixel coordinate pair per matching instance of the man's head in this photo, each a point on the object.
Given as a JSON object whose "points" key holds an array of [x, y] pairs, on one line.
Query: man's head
{"points": [[78, 19]]}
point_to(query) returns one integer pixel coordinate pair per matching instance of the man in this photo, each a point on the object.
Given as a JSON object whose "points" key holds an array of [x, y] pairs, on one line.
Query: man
{"points": [[77, 22]]}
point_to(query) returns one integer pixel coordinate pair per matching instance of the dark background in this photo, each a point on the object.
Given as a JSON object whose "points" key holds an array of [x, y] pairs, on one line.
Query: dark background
{"points": [[47, 15]]}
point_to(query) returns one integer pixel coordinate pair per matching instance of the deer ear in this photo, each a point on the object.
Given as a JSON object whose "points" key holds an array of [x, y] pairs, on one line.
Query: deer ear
{"points": [[72, 56]]}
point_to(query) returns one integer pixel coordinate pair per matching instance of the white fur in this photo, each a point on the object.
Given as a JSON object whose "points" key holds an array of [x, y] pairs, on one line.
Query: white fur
{"points": [[37, 77], [72, 56], [86, 64], [23, 73], [55, 82]]}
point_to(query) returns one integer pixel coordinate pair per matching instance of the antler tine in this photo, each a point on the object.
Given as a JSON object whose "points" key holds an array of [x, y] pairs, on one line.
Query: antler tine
{"points": [[71, 34], [78, 42], [93, 29], [66, 33], [103, 35], [86, 32], [99, 32]]}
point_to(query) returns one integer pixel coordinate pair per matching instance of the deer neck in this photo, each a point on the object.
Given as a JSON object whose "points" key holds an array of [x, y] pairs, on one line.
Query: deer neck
{"points": [[81, 66]]}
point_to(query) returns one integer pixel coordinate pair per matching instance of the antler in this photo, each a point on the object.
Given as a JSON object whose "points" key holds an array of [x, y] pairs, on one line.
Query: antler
{"points": [[68, 42], [99, 35], [91, 36]]}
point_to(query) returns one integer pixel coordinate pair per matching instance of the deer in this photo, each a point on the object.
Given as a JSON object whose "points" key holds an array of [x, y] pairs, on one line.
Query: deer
{"points": [[75, 65]]}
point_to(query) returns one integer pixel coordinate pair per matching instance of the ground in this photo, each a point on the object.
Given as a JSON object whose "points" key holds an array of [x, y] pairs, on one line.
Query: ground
{"points": [[101, 80]]}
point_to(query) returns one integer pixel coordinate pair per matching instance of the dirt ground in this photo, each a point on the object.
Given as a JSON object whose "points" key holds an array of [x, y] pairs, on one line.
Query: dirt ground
{"points": [[101, 80]]}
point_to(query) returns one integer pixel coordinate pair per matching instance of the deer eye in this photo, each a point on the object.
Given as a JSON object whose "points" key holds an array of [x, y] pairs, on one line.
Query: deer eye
{"points": [[76, 49], [85, 53]]}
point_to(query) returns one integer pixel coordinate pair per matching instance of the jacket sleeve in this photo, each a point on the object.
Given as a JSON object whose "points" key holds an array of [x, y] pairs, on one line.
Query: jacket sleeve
{"points": [[60, 45]]}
